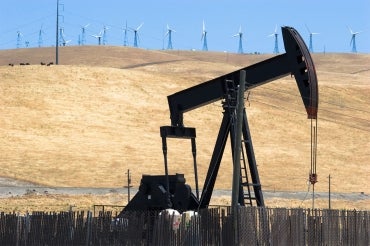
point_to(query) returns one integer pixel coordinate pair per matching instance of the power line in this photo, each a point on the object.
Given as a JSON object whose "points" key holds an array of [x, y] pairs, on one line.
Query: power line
{"points": [[321, 118], [344, 115], [321, 101]]}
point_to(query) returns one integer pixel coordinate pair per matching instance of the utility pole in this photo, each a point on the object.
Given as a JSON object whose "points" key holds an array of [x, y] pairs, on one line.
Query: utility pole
{"points": [[128, 185], [329, 194], [57, 36]]}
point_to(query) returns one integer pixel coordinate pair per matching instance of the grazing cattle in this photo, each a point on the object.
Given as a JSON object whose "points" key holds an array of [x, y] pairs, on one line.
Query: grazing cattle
{"points": [[27, 63], [42, 63], [11, 64], [22, 64]]}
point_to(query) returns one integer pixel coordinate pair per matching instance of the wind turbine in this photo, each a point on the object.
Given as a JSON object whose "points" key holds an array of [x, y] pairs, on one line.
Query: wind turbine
{"points": [[40, 36], [204, 38], [83, 34], [19, 39], [67, 42], [136, 34], [125, 42], [353, 40], [310, 48], [105, 28], [61, 40], [63, 37], [98, 36], [240, 35], [276, 48], [169, 34]]}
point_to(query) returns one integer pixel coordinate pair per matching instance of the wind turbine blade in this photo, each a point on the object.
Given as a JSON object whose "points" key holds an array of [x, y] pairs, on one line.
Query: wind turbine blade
{"points": [[308, 29], [204, 27], [168, 27], [350, 43], [137, 29], [240, 29], [275, 28], [350, 30], [315, 33]]}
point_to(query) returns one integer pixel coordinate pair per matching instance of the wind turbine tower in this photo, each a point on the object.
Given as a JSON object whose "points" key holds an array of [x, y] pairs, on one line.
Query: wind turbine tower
{"points": [[19, 39], [98, 37], [275, 34], [105, 28], [125, 42], [310, 47], [40, 42], [83, 34], [61, 41], [353, 40], [169, 34], [240, 35], [136, 34], [204, 38]]}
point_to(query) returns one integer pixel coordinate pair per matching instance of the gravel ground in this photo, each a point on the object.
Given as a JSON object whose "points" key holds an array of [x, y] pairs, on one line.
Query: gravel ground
{"points": [[11, 187]]}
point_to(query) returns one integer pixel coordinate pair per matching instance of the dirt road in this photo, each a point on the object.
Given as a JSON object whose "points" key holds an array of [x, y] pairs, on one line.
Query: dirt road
{"points": [[12, 187]]}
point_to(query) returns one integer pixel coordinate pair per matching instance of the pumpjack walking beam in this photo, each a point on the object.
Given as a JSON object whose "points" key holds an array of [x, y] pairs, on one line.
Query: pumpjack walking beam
{"points": [[296, 61]]}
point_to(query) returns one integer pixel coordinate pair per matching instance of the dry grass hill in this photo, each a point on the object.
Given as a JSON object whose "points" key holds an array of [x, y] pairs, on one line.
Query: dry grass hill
{"points": [[85, 122]]}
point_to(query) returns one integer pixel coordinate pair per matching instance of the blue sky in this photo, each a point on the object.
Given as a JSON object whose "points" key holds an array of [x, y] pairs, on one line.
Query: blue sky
{"points": [[222, 19]]}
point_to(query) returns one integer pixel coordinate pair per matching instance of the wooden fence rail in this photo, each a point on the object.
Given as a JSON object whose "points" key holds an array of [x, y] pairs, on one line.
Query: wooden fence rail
{"points": [[213, 226]]}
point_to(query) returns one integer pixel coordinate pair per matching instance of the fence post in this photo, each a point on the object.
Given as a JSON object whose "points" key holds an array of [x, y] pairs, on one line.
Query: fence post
{"points": [[88, 232]]}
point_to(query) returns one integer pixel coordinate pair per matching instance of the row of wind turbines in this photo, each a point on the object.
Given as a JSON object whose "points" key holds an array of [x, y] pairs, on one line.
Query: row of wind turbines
{"points": [[310, 47], [102, 37]]}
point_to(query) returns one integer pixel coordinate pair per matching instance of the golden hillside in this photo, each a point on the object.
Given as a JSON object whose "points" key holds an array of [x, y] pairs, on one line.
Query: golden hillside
{"points": [[88, 120]]}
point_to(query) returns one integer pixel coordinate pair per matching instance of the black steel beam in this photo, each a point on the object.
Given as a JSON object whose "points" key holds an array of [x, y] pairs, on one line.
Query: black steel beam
{"points": [[214, 90], [215, 162], [296, 61], [177, 132]]}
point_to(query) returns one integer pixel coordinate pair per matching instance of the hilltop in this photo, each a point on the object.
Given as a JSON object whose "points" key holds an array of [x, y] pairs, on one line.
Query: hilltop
{"points": [[86, 121]]}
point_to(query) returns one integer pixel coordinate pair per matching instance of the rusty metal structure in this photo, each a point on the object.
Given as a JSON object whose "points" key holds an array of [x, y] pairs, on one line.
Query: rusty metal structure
{"points": [[171, 191]]}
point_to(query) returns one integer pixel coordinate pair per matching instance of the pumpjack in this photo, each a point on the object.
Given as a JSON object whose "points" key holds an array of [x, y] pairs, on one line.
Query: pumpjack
{"points": [[158, 192]]}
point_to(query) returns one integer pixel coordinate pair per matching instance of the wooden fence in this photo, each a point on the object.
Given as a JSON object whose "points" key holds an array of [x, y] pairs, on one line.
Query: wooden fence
{"points": [[213, 226]]}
